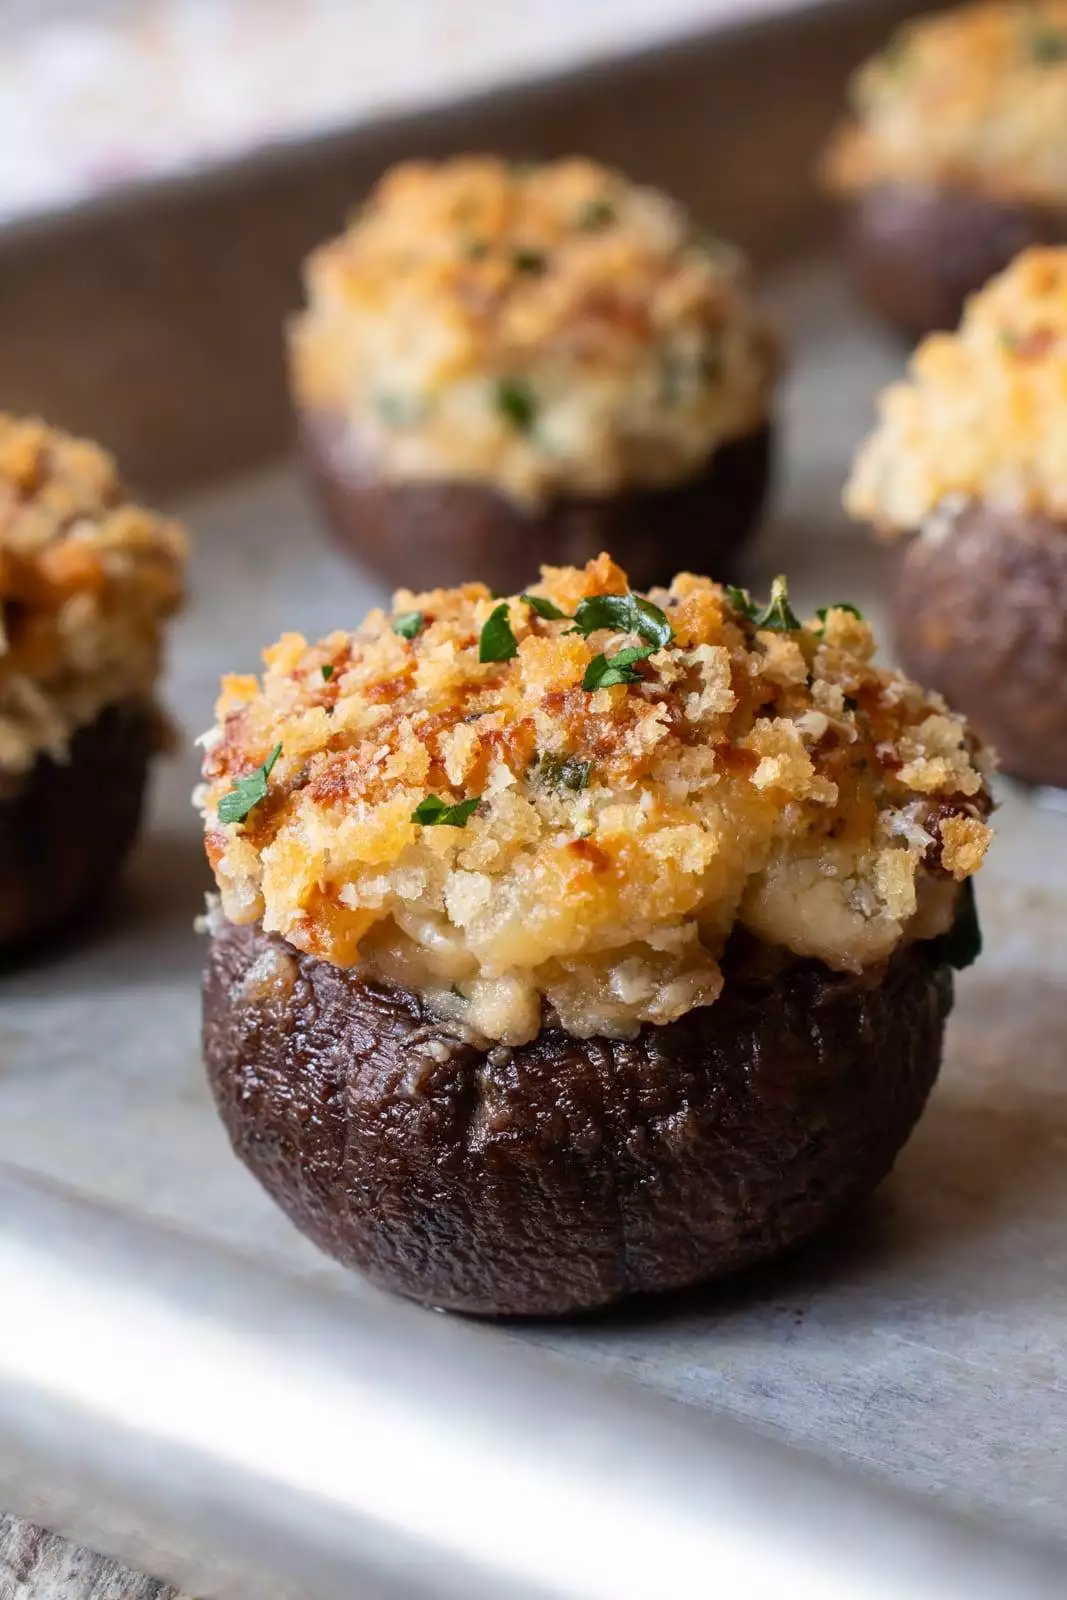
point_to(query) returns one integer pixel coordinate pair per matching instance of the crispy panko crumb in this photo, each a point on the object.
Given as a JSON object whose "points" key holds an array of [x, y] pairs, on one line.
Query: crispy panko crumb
{"points": [[982, 414], [86, 579], [549, 330], [973, 97], [776, 781]]}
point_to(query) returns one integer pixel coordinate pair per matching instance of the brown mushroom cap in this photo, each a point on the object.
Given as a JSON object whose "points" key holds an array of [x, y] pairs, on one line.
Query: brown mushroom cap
{"points": [[566, 1174], [916, 253], [66, 825], [981, 615], [450, 530]]}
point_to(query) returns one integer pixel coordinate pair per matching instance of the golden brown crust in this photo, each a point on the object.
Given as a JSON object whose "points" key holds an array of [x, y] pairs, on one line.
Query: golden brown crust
{"points": [[974, 97], [983, 412], [86, 580], [772, 779], [549, 331]]}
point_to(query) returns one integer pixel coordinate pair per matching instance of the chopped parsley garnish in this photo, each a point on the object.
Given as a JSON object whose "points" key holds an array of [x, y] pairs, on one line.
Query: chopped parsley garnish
{"points": [[544, 608], [605, 672], [961, 946], [497, 642], [327, 671], [398, 410], [564, 772], [433, 812], [672, 374], [408, 624], [626, 613], [516, 402], [532, 261], [710, 244], [839, 605], [775, 617], [898, 52], [778, 616], [596, 214], [740, 600], [1046, 44], [475, 250], [247, 792], [711, 360]]}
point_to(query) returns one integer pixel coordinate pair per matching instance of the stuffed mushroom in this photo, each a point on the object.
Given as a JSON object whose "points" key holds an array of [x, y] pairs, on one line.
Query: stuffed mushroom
{"points": [[582, 943], [86, 582], [970, 457], [501, 366], [955, 157]]}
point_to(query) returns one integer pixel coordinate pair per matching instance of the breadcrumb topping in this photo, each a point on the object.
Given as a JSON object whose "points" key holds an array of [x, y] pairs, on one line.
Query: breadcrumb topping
{"points": [[983, 413], [86, 579], [597, 844], [974, 97], [549, 330]]}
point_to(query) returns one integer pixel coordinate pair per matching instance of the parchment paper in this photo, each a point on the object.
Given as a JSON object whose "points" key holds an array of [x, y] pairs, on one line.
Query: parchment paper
{"points": [[925, 1340]]}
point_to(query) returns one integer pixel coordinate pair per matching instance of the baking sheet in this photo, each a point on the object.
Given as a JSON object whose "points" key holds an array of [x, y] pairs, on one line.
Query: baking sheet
{"points": [[924, 1340]]}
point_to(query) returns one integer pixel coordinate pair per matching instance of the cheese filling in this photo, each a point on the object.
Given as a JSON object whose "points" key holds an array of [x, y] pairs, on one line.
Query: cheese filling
{"points": [[982, 414], [551, 331], [973, 97], [565, 804], [86, 581]]}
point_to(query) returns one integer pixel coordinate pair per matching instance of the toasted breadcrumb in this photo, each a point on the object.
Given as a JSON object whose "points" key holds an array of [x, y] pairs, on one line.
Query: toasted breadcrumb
{"points": [[777, 782], [983, 412], [547, 330], [973, 97], [86, 579]]}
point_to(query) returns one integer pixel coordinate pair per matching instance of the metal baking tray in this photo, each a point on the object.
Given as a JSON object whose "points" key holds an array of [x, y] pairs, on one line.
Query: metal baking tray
{"points": [[184, 1381]]}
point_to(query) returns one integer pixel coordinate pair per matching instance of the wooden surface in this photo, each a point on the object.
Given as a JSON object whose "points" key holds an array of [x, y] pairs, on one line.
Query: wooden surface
{"points": [[35, 1565]]}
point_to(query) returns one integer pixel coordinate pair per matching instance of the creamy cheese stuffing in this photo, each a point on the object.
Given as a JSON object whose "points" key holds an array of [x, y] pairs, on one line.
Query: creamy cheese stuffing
{"points": [[550, 330], [609, 838], [975, 97], [983, 413], [86, 579]]}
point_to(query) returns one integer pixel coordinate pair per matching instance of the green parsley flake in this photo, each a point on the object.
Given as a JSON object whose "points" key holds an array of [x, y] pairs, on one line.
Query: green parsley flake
{"points": [[778, 616], [565, 772], [839, 605], [1047, 45], [531, 261], [408, 624], [247, 792], [497, 642], [433, 812], [398, 410], [775, 617], [741, 601], [626, 613], [516, 402], [604, 672], [543, 608], [327, 672], [595, 215]]}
